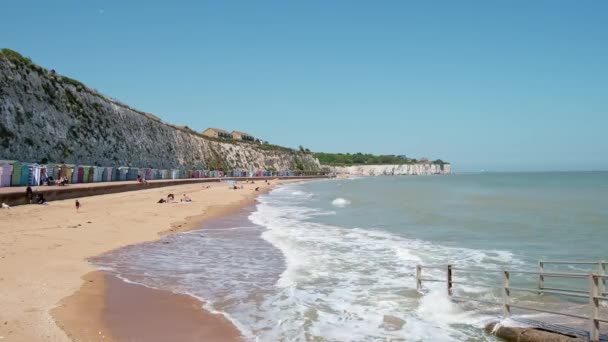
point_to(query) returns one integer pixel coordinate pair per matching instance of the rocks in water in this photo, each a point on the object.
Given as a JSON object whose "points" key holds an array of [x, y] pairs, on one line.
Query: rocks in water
{"points": [[517, 334], [392, 323]]}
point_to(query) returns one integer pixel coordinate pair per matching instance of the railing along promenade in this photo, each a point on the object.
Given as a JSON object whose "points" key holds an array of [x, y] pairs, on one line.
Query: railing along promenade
{"points": [[596, 293]]}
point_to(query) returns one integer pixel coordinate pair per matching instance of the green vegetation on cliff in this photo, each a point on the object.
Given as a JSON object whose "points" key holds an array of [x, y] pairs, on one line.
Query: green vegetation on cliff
{"points": [[347, 159]]}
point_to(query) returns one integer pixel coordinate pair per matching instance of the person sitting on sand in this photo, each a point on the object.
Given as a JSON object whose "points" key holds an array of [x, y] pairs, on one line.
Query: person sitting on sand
{"points": [[62, 181], [40, 199], [186, 198], [141, 180], [170, 198]]}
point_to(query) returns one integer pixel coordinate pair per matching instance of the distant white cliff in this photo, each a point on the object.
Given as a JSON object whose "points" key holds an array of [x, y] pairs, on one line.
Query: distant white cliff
{"points": [[390, 170]]}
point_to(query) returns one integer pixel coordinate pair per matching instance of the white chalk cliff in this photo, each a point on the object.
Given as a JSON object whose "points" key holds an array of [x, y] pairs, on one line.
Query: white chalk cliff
{"points": [[390, 170]]}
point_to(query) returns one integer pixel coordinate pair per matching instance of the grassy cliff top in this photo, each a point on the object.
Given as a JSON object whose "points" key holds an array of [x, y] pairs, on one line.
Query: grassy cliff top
{"points": [[348, 159]]}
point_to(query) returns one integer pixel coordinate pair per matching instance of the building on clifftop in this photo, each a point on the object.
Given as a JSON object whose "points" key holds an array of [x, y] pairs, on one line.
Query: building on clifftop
{"points": [[243, 136], [217, 133]]}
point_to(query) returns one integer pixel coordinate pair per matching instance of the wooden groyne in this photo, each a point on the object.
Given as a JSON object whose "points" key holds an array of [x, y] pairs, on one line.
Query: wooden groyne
{"points": [[17, 195]]}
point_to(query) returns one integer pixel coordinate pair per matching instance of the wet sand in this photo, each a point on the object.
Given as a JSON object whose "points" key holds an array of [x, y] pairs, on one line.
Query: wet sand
{"points": [[109, 309], [43, 253]]}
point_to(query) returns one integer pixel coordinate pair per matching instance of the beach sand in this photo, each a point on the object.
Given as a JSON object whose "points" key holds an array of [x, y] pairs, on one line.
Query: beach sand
{"points": [[43, 253]]}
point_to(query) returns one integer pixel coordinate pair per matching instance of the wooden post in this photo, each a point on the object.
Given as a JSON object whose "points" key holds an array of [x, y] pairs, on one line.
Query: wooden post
{"points": [[541, 277], [506, 294], [449, 275], [603, 289], [594, 324]]}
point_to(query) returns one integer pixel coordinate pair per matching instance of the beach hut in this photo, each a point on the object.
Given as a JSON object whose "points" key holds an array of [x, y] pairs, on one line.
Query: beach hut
{"points": [[98, 174], [43, 174], [106, 175], [81, 174], [16, 176], [6, 171], [26, 174], [64, 171], [86, 174], [50, 168], [133, 173], [69, 173], [120, 173], [92, 174], [124, 171], [56, 171], [75, 174], [35, 173]]}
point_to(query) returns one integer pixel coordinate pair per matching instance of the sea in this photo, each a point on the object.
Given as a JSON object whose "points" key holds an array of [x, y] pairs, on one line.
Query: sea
{"points": [[335, 260]]}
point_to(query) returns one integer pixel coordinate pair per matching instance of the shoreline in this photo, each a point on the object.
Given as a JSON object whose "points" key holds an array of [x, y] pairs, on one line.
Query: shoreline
{"points": [[68, 239]]}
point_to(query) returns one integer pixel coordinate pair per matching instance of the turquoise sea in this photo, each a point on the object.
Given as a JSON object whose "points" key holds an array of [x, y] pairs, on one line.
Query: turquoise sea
{"points": [[334, 260]]}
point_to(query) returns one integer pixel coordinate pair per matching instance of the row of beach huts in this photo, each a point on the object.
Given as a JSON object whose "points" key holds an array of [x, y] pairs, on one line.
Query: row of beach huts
{"points": [[14, 173]]}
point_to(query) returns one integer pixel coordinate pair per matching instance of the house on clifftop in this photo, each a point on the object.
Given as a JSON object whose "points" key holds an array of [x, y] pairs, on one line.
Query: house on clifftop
{"points": [[217, 133], [243, 136]]}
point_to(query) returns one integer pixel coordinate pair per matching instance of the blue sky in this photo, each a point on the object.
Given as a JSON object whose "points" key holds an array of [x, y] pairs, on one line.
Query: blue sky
{"points": [[497, 85]]}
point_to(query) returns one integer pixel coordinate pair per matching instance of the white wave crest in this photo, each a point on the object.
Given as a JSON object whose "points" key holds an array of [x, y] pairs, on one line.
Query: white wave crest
{"points": [[340, 202]]}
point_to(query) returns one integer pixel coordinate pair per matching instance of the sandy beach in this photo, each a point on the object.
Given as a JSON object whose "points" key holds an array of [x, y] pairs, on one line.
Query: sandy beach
{"points": [[43, 265]]}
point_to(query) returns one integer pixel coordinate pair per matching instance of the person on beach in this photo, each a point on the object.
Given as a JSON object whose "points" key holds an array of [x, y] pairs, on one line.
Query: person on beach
{"points": [[40, 199], [141, 180], [257, 189], [29, 194], [162, 200], [186, 198], [170, 198], [77, 205]]}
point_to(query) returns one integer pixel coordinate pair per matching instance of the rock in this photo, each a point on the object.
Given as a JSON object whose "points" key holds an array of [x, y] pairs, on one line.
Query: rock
{"points": [[392, 323], [527, 334]]}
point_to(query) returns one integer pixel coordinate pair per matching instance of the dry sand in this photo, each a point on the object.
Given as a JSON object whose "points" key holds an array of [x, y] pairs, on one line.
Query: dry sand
{"points": [[43, 252]]}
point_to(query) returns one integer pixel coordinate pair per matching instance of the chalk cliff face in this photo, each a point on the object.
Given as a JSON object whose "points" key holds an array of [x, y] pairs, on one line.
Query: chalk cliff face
{"points": [[386, 170], [44, 116]]}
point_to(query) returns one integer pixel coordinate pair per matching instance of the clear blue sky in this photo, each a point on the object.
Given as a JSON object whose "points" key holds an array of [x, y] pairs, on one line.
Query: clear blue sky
{"points": [[498, 85]]}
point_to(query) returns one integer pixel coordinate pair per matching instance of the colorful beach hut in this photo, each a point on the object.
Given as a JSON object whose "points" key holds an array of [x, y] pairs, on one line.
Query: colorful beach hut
{"points": [[75, 174], [35, 172], [107, 174], [97, 174], [26, 174], [69, 172], [121, 173], [81, 174], [87, 174], [133, 173], [56, 171], [16, 176], [6, 171]]}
